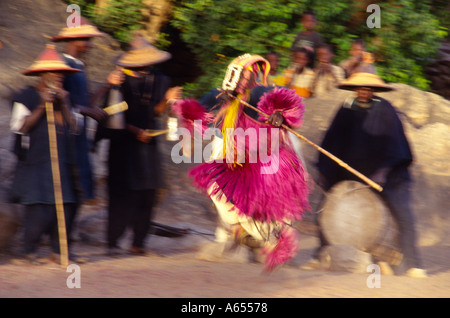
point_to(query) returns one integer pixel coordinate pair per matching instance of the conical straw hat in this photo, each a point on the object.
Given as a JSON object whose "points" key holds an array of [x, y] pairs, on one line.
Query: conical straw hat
{"points": [[49, 61], [142, 53], [85, 30], [365, 80]]}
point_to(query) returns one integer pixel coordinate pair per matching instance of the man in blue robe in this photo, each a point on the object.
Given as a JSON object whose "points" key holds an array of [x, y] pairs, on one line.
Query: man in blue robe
{"points": [[77, 43]]}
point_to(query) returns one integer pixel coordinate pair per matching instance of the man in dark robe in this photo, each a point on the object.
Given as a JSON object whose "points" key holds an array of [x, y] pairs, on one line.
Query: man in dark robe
{"points": [[134, 162], [367, 134], [33, 185]]}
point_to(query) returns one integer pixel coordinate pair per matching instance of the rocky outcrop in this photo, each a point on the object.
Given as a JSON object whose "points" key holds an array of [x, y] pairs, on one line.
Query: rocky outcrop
{"points": [[26, 26]]}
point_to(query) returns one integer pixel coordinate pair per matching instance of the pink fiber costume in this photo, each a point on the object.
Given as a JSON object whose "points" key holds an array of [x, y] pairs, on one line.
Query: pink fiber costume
{"points": [[257, 182]]}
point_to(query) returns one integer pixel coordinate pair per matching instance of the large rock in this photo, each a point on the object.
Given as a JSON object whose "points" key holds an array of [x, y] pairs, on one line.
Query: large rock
{"points": [[26, 27]]}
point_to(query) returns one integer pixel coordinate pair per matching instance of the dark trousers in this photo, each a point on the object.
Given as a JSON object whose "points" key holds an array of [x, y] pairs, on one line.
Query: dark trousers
{"points": [[84, 166], [130, 209], [41, 219], [397, 197]]}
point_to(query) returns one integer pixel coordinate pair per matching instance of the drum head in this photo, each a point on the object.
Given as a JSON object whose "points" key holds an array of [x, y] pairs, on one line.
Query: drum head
{"points": [[353, 214]]}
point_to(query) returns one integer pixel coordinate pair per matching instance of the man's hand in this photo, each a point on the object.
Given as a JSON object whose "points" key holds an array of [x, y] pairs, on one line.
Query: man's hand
{"points": [[48, 95], [171, 95], [95, 113], [276, 119], [380, 176], [116, 77], [143, 136], [174, 93], [61, 94]]}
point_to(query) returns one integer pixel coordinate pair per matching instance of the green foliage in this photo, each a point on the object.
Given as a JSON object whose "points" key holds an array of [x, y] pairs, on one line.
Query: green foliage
{"points": [[219, 30], [441, 9], [119, 18]]}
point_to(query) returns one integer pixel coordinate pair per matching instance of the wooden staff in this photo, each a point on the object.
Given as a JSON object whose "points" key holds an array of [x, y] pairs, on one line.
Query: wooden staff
{"points": [[63, 246], [373, 184]]}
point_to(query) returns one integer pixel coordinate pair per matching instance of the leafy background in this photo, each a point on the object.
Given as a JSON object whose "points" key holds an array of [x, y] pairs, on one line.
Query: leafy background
{"points": [[217, 31]]}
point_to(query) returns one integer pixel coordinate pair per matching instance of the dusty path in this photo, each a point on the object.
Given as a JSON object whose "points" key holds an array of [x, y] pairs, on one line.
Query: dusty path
{"points": [[179, 274]]}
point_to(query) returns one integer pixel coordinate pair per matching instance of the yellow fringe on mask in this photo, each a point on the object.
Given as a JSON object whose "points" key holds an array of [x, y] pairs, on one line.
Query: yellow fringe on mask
{"points": [[229, 122]]}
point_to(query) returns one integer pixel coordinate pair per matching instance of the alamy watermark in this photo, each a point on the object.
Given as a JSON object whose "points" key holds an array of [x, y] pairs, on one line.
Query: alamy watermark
{"points": [[373, 20], [74, 19], [374, 279], [249, 145], [74, 279]]}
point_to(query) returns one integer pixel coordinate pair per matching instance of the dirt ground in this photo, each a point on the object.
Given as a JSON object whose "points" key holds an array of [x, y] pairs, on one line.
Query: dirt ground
{"points": [[173, 270], [181, 275]]}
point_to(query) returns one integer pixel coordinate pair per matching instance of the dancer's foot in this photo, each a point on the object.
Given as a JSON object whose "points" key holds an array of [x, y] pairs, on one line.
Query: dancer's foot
{"points": [[312, 264], [416, 273]]}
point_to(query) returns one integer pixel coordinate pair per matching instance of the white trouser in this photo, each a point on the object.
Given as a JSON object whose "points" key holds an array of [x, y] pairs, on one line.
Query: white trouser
{"points": [[229, 214]]}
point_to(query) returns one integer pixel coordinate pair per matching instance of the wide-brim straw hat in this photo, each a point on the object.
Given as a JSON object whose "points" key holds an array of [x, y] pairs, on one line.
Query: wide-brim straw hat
{"points": [[49, 61], [83, 31], [141, 53], [369, 80]]}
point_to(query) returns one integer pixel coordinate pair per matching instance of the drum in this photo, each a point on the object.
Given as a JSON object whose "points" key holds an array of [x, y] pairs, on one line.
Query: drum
{"points": [[352, 213]]}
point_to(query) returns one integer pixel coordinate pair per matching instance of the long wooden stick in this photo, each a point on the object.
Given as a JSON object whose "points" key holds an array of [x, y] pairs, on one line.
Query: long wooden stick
{"points": [[373, 184], [63, 246]]}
